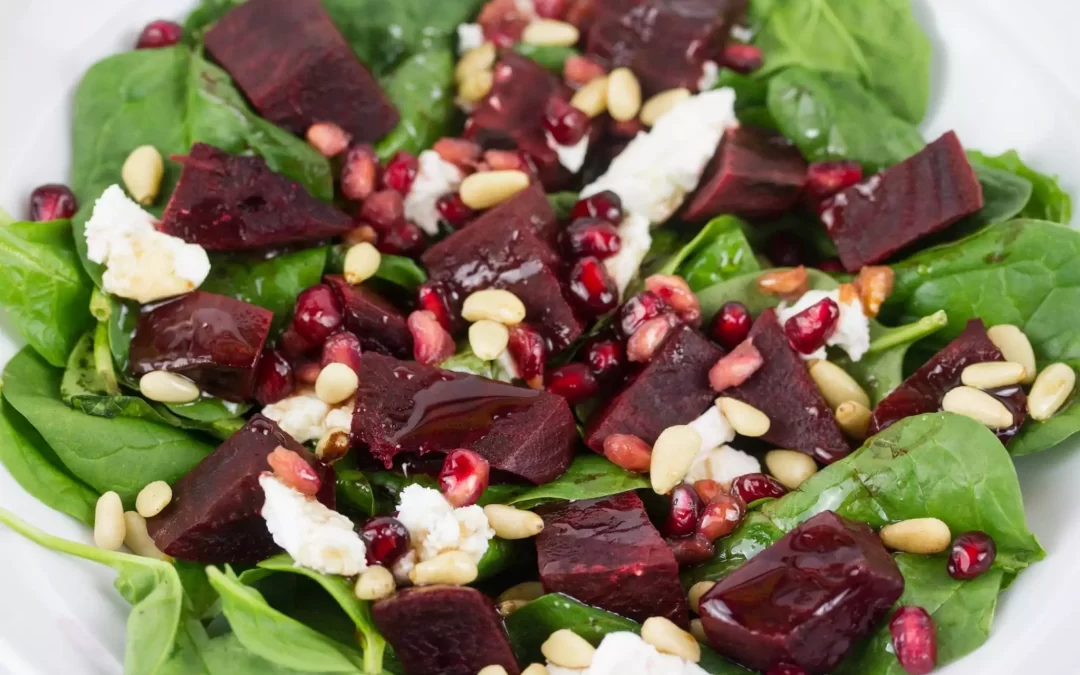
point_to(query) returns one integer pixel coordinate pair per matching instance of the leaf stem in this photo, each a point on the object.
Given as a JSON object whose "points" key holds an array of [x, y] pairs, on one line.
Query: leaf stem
{"points": [[902, 335]]}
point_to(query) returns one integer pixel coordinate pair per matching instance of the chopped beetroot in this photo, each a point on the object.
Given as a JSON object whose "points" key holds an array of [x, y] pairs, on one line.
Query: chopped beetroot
{"points": [[804, 600], [677, 375], [212, 339], [755, 174], [450, 630], [923, 194], [782, 389], [214, 513], [605, 552], [528, 208], [372, 318], [297, 69], [923, 391], [405, 407], [226, 202]]}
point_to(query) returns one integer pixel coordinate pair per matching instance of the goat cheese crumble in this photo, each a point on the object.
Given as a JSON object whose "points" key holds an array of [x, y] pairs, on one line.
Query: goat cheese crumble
{"points": [[435, 527], [436, 177], [710, 76], [636, 242], [570, 156], [306, 417], [852, 328], [470, 36], [625, 652], [717, 460]]}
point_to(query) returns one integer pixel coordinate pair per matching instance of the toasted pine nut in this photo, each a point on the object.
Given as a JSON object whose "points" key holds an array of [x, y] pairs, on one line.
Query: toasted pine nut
{"points": [[526, 590], [336, 382], [361, 263], [875, 285], [623, 95], [668, 638], [592, 98], [836, 385], [535, 669], [488, 339], [993, 374], [475, 86], [854, 419], [480, 58], [567, 649], [924, 536], [511, 523], [979, 406], [483, 190], [328, 138], [745, 418], [508, 607], [793, 282], [453, 567], [672, 455], [1052, 388], [109, 527], [492, 670], [494, 304], [153, 499], [142, 173], [789, 467], [656, 106], [138, 540], [1015, 347], [551, 33], [374, 583], [166, 387], [697, 629], [696, 591], [333, 444]]}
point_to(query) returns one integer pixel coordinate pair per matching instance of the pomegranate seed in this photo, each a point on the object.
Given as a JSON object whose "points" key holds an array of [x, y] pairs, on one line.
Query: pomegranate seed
{"points": [[566, 124], [306, 372], [273, 377], [529, 352], [808, 330], [604, 205], [825, 179], [342, 347], [328, 138], [361, 234], [292, 470], [400, 172], [432, 298], [972, 554], [731, 325], [574, 382], [692, 550], [403, 238], [158, 34], [785, 249], [831, 265], [785, 669], [683, 514], [593, 287], [742, 58], [914, 640], [736, 367], [317, 315], [605, 358], [454, 211], [581, 70], [385, 539], [751, 487], [464, 477], [382, 210], [637, 310], [592, 237], [628, 452], [462, 153], [647, 340], [359, 172], [674, 291], [708, 489], [507, 160], [721, 516], [431, 343], [52, 202], [551, 9]]}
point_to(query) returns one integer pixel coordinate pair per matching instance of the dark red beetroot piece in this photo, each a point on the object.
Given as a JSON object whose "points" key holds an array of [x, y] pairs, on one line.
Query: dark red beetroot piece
{"points": [[804, 600], [923, 194], [923, 391], [782, 386], [755, 174], [212, 339], [228, 203], [214, 513], [606, 553], [408, 408], [297, 69], [450, 630], [370, 317], [677, 375], [528, 208]]}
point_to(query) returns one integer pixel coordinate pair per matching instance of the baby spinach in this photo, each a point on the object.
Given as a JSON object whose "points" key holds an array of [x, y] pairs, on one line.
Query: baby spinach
{"points": [[354, 490], [223, 655], [1005, 194], [1038, 436], [719, 251], [394, 269], [549, 57], [751, 98], [422, 90], [271, 283], [588, 477], [562, 203], [881, 369], [744, 289], [1048, 200]]}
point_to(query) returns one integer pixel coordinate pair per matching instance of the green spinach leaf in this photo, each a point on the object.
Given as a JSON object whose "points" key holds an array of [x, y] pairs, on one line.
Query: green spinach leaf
{"points": [[718, 252], [272, 283], [1048, 201], [744, 289], [881, 369], [549, 57], [562, 203], [394, 269], [751, 98], [588, 477], [422, 89], [1038, 436], [5, 218]]}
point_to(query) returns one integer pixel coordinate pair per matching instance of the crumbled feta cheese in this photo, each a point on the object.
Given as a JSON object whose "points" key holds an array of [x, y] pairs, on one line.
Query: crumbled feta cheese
{"points": [[742, 33], [570, 156], [852, 329], [316, 537], [306, 417], [469, 36], [435, 178], [710, 76], [624, 652], [636, 241], [435, 526], [723, 465], [714, 428]]}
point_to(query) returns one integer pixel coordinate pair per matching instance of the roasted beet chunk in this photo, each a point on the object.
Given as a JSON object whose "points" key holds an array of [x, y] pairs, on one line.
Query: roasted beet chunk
{"points": [[372, 318], [212, 339], [923, 391], [297, 69], [450, 630], [409, 408], [804, 600], [528, 208], [605, 552], [755, 174], [672, 389], [923, 194], [214, 514]]}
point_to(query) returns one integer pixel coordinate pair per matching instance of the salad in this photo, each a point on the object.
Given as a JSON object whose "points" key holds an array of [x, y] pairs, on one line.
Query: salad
{"points": [[446, 337]]}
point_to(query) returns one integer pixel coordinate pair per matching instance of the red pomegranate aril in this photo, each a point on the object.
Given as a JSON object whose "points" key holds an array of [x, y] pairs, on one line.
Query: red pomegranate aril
{"points": [[808, 330], [317, 314], [454, 211], [566, 124], [328, 138], [731, 325], [403, 238], [52, 202], [682, 516], [382, 210], [294, 471], [605, 358], [785, 669], [637, 310], [307, 372], [971, 555], [273, 377], [432, 298], [825, 179], [342, 347], [751, 487], [431, 343], [464, 477], [505, 34], [674, 291], [592, 286], [721, 516], [604, 205], [386, 540], [786, 249], [643, 344], [692, 550], [461, 152], [158, 34], [742, 58], [592, 237], [581, 70], [551, 9], [708, 489], [831, 266], [628, 452], [574, 382], [529, 351], [735, 367], [400, 172], [914, 640], [359, 172]]}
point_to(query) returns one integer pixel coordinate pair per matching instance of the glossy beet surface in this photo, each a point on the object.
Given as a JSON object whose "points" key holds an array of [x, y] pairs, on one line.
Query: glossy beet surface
{"points": [[385, 539], [606, 553], [214, 340], [52, 202], [274, 378], [804, 600], [971, 555], [225, 202], [214, 513], [377, 323]]}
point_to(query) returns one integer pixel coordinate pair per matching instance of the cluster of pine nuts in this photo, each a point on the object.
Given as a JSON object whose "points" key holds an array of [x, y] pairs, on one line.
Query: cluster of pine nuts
{"points": [[474, 73], [114, 527], [491, 312], [566, 649]]}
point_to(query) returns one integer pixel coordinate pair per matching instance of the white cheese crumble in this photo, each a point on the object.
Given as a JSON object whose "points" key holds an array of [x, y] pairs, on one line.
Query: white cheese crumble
{"points": [[435, 527], [710, 76], [470, 36], [636, 241], [852, 329], [570, 156], [436, 177], [623, 653], [716, 460], [306, 417], [714, 428], [316, 537]]}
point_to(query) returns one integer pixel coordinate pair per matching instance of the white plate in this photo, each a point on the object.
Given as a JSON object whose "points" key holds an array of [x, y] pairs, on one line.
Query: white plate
{"points": [[1005, 77]]}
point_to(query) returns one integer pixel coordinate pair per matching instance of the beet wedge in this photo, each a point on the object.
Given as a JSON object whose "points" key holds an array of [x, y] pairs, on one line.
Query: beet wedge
{"points": [[372, 318]]}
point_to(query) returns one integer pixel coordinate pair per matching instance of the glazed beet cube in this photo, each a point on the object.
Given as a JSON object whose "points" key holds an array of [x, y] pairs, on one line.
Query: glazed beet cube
{"points": [[605, 552], [212, 339], [923, 391], [755, 174], [923, 194], [450, 630], [404, 407], [528, 208], [214, 514], [804, 600], [372, 318], [297, 69], [672, 389]]}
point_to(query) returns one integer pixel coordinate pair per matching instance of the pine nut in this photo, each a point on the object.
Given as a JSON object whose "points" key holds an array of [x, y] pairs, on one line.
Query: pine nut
{"points": [[153, 499], [672, 455], [511, 523], [480, 58], [668, 638], [535, 669], [551, 33], [476, 86], [924, 536], [336, 382], [1015, 347], [328, 138], [656, 106], [492, 670], [526, 590], [142, 173], [490, 188], [361, 263], [697, 629], [789, 467], [453, 567], [109, 527], [138, 540], [979, 406], [1052, 388], [623, 95], [333, 444], [567, 649], [785, 283], [993, 374], [494, 305], [488, 339], [374, 583], [854, 420], [508, 607], [836, 385], [166, 387], [592, 98], [696, 592], [745, 419]]}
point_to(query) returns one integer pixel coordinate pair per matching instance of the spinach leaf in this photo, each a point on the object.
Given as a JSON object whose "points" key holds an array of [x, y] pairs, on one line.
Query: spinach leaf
{"points": [[719, 251], [201, 596], [881, 369], [422, 89], [751, 98], [272, 283], [354, 490], [1048, 201], [502, 555], [5, 218], [1038, 436], [549, 57], [562, 203], [225, 655], [588, 477], [376, 492], [395, 269], [204, 17], [744, 289], [1005, 194]]}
